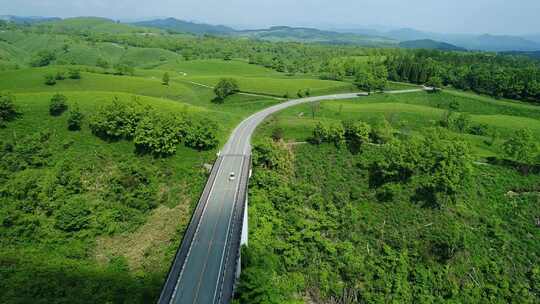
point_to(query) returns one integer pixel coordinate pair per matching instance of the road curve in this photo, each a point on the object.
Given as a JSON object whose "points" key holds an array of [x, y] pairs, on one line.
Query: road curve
{"points": [[239, 141], [205, 265]]}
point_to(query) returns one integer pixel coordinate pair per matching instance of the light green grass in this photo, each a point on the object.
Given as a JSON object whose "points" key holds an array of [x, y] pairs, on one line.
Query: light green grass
{"points": [[298, 122], [400, 86], [32, 80], [276, 86], [212, 67], [93, 24]]}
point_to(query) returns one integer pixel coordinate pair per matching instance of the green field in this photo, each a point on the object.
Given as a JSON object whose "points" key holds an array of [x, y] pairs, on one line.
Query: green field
{"points": [[279, 86], [410, 112]]}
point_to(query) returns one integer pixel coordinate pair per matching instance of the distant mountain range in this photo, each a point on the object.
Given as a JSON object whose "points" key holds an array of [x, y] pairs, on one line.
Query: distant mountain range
{"points": [[176, 25], [276, 33], [291, 34], [429, 44], [406, 37], [27, 20], [533, 55], [485, 42], [365, 37]]}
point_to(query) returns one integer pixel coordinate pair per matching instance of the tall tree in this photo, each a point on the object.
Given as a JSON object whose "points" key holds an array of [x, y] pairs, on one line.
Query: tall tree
{"points": [[523, 148], [165, 80]]}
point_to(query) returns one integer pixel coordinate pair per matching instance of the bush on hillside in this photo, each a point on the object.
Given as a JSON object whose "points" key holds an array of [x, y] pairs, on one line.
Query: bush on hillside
{"points": [[50, 79], [131, 185], [31, 151], [43, 58], [166, 78], [73, 215], [157, 134], [277, 133], [225, 88], [202, 135], [522, 148], [438, 164], [116, 121], [356, 133], [8, 111], [60, 75], [123, 69], [58, 105], [75, 119], [74, 74], [271, 155], [435, 83], [382, 131]]}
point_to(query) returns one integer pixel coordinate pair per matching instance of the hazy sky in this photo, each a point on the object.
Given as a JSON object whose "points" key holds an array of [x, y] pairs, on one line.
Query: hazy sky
{"points": [[456, 16]]}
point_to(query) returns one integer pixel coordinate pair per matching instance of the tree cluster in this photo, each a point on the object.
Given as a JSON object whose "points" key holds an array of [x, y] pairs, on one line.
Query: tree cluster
{"points": [[151, 131], [225, 87], [498, 76], [8, 110]]}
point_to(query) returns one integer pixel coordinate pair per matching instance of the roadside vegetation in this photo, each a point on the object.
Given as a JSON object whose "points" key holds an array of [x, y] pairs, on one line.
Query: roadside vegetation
{"points": [[385, 202]]}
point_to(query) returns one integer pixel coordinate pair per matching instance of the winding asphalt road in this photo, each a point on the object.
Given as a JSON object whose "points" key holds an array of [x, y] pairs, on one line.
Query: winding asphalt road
{"points": [[204, 269]]}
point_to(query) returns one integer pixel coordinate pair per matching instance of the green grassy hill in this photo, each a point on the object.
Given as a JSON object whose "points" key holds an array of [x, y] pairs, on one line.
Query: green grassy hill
{"points": [[92, 24], [176, 25], [412, 112], [309, 35], [430, 44]]}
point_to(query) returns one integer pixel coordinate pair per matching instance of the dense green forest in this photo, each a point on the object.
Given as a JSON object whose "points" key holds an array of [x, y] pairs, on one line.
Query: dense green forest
{"points": [[106, 131], [413, 220]]}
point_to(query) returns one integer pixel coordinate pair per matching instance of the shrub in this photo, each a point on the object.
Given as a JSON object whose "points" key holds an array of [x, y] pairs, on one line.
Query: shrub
{"points": [[435, 83], [277, 134], [75, 119], [58, 105], [73, 215], [132, 186], [8, 111], [357, 132], [74, 74], [31, 151], [165, 80], [462, 123], [481, 130], [225, 88], [523, 148], [330, 134], [336, 134], [116, 121], [102, 63], [271, 155], [157, 134], [43, 58], [60, 75], [123, 69], [382, 131], [202, 135], [50, 80], [320, 134]]}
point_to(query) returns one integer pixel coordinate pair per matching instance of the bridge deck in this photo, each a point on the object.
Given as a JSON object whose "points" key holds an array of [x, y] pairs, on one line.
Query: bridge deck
{"points": [[204, 269]]}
